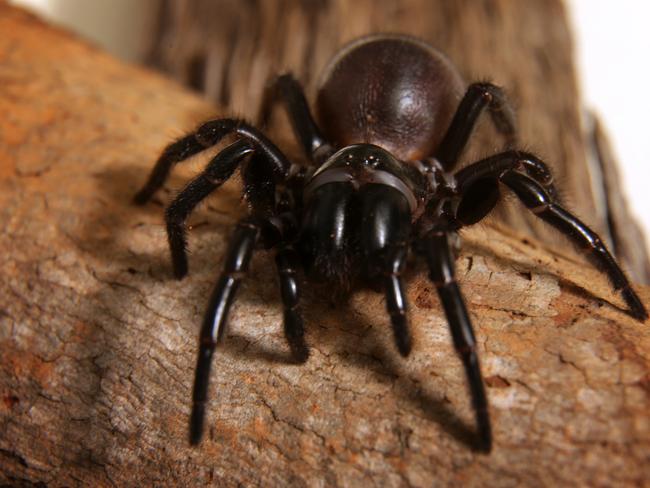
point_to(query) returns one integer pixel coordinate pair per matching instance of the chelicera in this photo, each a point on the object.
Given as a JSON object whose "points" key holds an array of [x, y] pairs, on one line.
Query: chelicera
{"points": [[379, 183]]}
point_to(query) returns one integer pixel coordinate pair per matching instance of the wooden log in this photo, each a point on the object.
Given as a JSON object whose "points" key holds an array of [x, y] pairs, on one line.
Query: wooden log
{"points": [[230, 49], [98, 342]]}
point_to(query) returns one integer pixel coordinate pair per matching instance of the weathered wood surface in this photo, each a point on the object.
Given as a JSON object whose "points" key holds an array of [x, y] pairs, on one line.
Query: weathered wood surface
{"points": [[230, 49], [98, 342]]}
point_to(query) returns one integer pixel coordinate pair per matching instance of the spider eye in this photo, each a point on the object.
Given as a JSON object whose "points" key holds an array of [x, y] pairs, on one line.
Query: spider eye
{"points": [[480, 198]]}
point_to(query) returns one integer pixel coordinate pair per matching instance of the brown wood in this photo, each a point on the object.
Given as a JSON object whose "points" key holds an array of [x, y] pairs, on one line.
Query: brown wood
{"points": [[98, 342]]}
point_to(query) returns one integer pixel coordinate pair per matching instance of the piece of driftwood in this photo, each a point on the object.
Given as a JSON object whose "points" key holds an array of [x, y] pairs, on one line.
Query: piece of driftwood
{"points": [[98, 342], [230, 49]]}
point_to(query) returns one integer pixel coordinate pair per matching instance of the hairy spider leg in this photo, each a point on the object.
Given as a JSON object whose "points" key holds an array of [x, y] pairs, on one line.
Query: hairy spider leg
{"points": [[259, 187], [177, 151], [235, 266], [478, 97], [287, 262], [220, 168], [536, 198], [211, 132], [278, 228], [207, 135], [287, 89], [442, 274]]}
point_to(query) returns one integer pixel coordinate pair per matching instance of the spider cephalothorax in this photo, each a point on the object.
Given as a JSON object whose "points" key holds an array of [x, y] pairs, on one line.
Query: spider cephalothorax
{"points": [[379, 184]]}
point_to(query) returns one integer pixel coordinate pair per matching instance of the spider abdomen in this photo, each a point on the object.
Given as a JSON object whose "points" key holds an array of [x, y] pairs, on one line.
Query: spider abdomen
{"points": [[392, 91]]}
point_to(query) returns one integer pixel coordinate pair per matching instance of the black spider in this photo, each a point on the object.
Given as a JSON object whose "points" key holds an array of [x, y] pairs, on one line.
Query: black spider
{"points": [[378, 184]]}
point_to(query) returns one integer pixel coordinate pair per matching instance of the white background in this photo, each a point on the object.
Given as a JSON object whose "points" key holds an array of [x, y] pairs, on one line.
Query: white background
{"points": [[612, 42], [613, 47]]}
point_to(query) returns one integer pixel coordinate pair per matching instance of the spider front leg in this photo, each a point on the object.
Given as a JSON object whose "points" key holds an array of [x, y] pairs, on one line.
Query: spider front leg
{"points": [[441, 265], [235, 266], [478, 97], [177, 151], [218, 170], [537, 199], [208, 135]]}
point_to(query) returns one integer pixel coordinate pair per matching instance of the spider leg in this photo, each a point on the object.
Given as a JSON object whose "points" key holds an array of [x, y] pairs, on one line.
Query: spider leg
{"points": [[534, 196], [235, 266], [177, 151], [259, 187], [498, 164], [287, 89], [208, 135], [287, 264], [396, 301], [218, 170], [478, 97], [211, 132], [441, 266]]}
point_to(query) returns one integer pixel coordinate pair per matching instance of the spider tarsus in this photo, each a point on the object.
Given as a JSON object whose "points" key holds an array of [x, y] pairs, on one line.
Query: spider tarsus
{"points": [[300, 353], [196, 423], [179, 264], [177, 245], [402, 335], [294, 333], [141, 197], [637, 309], [180, 272], [484, 442], [484, 433]]}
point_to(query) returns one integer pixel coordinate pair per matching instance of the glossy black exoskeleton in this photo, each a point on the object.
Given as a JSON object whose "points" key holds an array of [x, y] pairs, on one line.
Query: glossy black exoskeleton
{"points": [[379, 183]]}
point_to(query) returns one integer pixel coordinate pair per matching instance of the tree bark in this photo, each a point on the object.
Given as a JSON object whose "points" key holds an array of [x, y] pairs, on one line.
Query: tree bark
{"points": [[98, 341]]}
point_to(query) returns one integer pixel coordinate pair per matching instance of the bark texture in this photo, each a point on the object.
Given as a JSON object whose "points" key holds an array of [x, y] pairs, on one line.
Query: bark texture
{"points": [[230, 49], [98, 342]]}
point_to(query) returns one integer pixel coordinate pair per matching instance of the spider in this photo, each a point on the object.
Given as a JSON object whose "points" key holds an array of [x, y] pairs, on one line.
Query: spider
{"points": [[379, 184]]}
